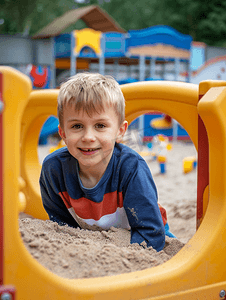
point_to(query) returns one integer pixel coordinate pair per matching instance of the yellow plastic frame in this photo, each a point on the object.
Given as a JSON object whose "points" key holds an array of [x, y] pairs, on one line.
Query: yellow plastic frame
{"points": [[196, 272]]}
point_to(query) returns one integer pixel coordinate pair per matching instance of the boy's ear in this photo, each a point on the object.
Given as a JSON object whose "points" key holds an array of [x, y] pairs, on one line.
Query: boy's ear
{"points": [[122, 130], [61, 132]]}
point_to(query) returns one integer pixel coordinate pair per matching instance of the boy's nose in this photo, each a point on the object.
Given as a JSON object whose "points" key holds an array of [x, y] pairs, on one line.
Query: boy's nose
{"points": [[88, 136]]}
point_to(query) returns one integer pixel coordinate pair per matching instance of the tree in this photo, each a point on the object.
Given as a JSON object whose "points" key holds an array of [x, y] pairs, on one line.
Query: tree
{"points": [[16, 15], [204, 20], [27, 17]]}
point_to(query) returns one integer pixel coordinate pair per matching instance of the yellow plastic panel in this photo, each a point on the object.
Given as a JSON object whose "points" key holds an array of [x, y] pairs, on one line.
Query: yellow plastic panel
{"points": [[206, 85], [198, 269], [203, 177], [177, 99], [210, 292], [41, 105], [16, 90]]}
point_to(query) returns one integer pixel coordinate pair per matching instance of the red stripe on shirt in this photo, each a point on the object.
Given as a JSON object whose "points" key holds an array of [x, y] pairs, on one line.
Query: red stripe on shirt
{"points": [[87, 209], [163, 214]]}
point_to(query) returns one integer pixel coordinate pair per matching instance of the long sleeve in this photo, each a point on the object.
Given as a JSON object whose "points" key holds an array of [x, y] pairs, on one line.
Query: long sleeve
{"points": [[53, 203], [140, 203]]}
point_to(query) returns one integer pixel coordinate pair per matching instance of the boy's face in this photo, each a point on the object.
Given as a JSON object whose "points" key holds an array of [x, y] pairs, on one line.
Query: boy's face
{"points": [[91, 140]]}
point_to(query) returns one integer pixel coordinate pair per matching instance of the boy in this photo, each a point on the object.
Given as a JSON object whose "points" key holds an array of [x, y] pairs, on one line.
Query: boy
{"points": [[96, 182]]}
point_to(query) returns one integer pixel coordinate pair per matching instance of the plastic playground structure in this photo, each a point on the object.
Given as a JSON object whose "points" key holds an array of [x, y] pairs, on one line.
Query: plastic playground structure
{"points": [[196, 272], [140, 54]]}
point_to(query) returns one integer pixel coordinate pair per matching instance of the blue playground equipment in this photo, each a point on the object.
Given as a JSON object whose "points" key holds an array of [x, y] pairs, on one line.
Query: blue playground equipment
{"points": [[49, 127], [155, 53]]}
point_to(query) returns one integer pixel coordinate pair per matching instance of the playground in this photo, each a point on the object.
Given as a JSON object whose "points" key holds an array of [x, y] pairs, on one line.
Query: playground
{"points": [[41, 260], [88, 253], [202, 257]]}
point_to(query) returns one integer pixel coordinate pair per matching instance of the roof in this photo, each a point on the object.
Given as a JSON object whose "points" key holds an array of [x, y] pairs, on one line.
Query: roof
{"points": [[93, 16]]}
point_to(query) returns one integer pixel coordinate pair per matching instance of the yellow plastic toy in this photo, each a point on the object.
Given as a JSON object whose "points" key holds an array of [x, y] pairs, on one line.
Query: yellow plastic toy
{"points": [[196, 272], [58, 146], [189, 164], [161, 145], [164, 122], [145, 153]]}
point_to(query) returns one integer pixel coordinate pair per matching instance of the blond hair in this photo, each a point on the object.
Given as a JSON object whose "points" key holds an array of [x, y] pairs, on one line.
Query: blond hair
{"points": [[91, 92]]}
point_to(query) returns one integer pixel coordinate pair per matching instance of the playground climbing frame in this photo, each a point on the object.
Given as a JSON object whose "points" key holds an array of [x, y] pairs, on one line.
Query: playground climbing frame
{"points": [[196, 272]]}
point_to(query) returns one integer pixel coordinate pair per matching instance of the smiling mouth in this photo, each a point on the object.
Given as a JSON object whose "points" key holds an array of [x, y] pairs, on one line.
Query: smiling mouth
{"points": [[90, 150]]}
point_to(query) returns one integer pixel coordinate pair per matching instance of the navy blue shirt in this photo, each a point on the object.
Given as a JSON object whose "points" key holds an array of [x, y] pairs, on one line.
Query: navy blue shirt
{"points": [[125, 196]]}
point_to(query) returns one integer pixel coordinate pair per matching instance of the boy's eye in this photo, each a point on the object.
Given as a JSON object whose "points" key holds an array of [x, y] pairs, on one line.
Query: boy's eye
{"points": [[76, 126], [100, 126]]}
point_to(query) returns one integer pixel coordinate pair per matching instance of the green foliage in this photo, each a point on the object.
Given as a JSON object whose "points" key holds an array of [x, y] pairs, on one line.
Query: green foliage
{"points": [[27, 17], [204, 20], [16, 15]]}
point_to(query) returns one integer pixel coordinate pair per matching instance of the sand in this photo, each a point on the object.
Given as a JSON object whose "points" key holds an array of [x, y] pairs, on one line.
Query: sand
{"points": [[78, 253]]}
